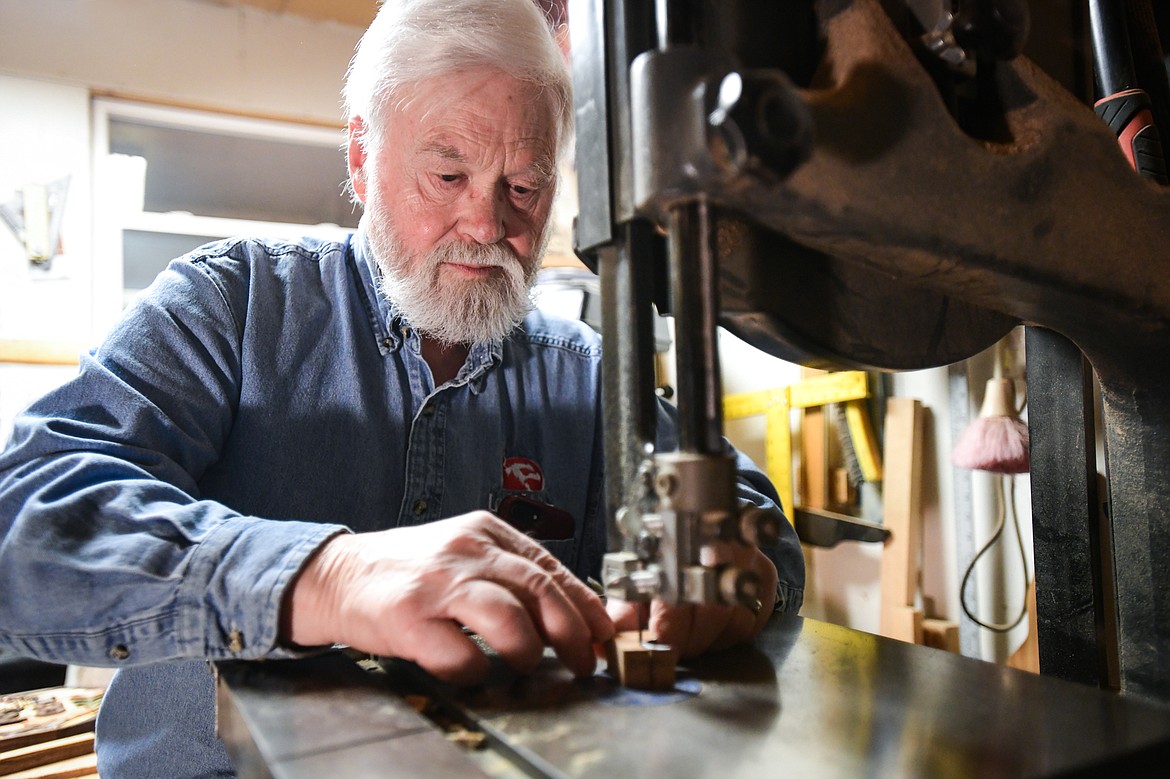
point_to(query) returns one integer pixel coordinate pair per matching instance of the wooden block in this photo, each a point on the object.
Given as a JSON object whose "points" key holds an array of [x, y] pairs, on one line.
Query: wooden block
{"points": [[1027, 656], [903, 623], [641, 665], [941, 634]]}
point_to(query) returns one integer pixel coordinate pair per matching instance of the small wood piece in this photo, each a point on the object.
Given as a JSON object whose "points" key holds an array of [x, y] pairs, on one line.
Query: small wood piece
{"points": [[903, 623], [1027, 656], [842, 494], [641, 665], [941, 634]]}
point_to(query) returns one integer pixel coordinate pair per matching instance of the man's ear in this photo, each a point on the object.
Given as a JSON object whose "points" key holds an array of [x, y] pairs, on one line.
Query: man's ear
{"points": [[356, 157]]}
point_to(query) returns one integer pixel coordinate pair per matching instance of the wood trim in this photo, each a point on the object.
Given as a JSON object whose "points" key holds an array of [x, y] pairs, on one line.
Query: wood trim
{"points": [[356, 13], [33, 352], [208, 108]]}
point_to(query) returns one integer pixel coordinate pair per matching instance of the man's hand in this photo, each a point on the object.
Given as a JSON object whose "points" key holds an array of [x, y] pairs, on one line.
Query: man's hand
{"points": [[694, 629], [406, 592]]}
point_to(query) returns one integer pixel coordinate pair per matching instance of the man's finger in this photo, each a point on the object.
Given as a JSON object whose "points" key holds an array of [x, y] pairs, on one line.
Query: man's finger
{"points": [[585, 600], [493, 611], [555, 614], [587, 603], [624, 613], [443, 650]]}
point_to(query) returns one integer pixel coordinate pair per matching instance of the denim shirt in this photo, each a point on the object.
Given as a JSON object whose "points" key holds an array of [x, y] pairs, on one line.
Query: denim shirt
{"points": [[258, 399]]}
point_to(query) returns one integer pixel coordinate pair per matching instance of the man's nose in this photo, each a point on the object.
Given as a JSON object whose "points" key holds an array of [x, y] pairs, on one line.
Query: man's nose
{"points": [[483, 216]]}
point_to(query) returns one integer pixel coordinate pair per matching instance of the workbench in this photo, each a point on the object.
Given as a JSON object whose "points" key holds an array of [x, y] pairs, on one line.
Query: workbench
{"points": [[807, 699]]}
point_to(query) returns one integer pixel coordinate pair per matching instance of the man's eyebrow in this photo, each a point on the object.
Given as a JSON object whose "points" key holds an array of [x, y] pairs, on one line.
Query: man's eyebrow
{"points": [[445, 151], [543, 169]]}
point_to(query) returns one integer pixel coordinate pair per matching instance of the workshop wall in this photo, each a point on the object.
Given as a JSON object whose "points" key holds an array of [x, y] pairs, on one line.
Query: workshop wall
{"points": [[200, 54], [44, 127], [45, 132], [55, 56]]}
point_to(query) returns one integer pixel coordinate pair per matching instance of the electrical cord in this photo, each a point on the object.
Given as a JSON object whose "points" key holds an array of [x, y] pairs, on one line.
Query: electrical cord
{"points": [[1001, 521]]}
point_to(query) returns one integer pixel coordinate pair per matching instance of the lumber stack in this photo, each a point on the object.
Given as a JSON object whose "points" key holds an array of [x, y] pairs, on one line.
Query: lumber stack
{"points": [[48, 734]]}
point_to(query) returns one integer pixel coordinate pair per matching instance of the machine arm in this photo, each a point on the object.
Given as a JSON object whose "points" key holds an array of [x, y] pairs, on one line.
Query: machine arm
{"points": [[854, 218]]}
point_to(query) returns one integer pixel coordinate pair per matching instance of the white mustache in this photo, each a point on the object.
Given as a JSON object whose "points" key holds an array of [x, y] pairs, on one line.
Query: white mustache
{"points": [[475, 255]]}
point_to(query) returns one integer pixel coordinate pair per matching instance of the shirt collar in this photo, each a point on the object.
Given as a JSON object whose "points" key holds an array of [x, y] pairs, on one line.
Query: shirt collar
{"points": [[389, 337]]}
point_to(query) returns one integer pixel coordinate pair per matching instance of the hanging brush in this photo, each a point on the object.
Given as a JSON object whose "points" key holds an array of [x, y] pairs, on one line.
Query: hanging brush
{"points": [[997, 440]]}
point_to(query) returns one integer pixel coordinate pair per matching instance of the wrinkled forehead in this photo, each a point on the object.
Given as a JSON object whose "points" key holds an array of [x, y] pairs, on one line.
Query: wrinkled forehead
{"points": [[456, 114], [484, 101]]}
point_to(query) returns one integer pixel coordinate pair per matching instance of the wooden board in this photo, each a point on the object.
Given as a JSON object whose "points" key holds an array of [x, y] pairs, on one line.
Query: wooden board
{"points": [[902, 515], [46, 754], [43, 715]]}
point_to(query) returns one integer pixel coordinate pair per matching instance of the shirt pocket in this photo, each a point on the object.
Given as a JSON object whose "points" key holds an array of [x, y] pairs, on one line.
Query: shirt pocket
{"points": [[534, 514]]}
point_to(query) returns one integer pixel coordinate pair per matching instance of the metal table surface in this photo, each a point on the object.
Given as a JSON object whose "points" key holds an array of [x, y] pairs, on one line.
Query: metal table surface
{"points": [[808, 699]]}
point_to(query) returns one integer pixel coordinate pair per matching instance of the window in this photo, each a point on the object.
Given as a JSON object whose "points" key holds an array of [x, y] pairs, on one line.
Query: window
{"points": [[169, 180]]}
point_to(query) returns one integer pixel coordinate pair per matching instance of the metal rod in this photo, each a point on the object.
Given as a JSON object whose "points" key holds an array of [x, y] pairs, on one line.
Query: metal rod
{"points": [[677, 22], [627, 367], [695, 303], [1113, 62]]}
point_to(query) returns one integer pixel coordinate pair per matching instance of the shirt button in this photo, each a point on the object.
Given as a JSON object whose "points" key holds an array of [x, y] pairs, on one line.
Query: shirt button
{"points": [[119, 652], [387, 342], [420, 508], [405, 331], [236, 642], [428, 410]]}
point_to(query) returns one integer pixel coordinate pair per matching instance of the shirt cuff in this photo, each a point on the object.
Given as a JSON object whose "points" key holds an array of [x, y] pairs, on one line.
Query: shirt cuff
{"points": [[232, 596]]}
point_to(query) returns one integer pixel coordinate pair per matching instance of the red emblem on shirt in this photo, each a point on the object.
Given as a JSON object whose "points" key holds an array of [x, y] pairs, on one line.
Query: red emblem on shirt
{"points": [[520, 473]]}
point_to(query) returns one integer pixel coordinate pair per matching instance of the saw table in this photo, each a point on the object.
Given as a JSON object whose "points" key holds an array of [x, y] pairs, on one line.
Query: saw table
{"points": [[808, 699]]}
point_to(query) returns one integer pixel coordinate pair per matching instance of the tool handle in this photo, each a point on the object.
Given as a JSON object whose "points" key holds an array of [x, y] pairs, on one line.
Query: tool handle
{"points": [[1128, 114]]}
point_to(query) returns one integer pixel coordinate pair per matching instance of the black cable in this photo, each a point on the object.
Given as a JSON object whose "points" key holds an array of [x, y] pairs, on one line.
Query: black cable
{"points": [[1001, 521]]}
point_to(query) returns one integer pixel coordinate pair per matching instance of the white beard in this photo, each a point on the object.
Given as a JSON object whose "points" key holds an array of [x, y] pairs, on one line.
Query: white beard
{"points": [[446, 309]]}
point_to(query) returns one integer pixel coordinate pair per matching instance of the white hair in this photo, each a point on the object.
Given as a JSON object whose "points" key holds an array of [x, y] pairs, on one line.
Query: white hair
{"points": [[411, 41]]}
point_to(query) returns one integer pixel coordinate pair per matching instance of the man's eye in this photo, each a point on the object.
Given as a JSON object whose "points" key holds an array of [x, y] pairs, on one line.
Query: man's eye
{"points": [[521, 190], [450, 178]]}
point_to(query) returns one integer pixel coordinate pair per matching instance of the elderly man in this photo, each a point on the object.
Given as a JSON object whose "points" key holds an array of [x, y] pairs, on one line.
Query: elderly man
{"points": [[286, 446]]}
